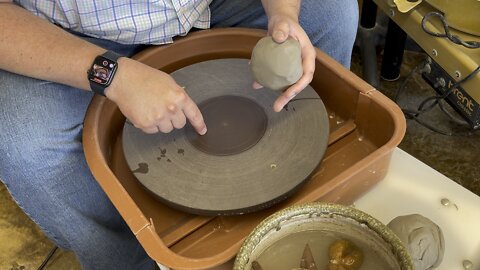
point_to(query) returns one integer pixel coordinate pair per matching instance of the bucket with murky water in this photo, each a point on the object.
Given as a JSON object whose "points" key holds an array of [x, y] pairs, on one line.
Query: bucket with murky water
{"points": [[322, 236]]}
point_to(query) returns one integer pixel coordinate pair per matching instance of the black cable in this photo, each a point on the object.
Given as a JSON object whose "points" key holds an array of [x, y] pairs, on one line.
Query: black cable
{"points": [[47, 259], [456, 119], [409, 115], [431, 127], [453, 38], [404, 83], [423, 106], [427, 104]]}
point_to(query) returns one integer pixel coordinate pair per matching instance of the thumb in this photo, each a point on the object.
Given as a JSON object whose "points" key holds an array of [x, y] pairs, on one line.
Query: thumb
{"points": [[280, 32]]}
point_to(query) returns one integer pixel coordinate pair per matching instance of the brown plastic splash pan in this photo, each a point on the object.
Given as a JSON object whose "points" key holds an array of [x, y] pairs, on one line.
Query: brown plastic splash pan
{"points": [[365, 127]]}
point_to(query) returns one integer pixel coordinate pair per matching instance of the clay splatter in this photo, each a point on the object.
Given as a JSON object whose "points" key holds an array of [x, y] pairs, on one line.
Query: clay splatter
{"points": [[142, 168], [181, 151], [163, 152]]}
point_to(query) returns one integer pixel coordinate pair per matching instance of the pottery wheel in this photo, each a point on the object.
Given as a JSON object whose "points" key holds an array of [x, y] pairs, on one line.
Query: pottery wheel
{"points": [[251, 156]]}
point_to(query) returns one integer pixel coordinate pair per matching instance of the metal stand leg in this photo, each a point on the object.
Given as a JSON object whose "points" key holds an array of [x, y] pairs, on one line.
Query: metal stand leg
{"points": [[393, 53], [366, 36], [369, 14]]}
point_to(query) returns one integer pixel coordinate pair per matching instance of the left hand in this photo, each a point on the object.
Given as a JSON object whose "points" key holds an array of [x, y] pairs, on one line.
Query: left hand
{"points": [[280, 27]]}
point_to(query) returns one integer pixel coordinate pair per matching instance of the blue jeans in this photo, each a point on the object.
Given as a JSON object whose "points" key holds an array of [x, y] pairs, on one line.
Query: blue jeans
{"points": [[42, 161]]}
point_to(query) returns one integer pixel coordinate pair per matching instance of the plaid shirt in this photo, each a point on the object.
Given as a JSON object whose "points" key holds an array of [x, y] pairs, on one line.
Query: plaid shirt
{"points": [[125, 21]]}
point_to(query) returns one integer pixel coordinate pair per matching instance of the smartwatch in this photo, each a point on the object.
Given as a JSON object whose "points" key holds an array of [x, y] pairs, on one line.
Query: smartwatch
{"points": [[102, 71]]}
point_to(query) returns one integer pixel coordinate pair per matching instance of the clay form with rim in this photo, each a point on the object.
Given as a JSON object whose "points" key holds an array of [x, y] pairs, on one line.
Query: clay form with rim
{"points": [[276, 65], [422, 238]]}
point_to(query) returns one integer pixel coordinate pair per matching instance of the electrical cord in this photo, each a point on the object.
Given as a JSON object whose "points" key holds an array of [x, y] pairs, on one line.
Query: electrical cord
{"points": [[424, 106], [407, 78], [430, 102], [47, 259], [454, 118], [453, 38]]}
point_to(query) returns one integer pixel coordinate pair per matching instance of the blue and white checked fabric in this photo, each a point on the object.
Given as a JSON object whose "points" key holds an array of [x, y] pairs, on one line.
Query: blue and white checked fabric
{"points": [[125, 21]]}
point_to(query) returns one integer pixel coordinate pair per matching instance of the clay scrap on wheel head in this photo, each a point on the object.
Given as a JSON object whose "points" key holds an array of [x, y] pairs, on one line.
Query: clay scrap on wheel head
{"points": [[422, 238], [276, 65], [250, 158]]}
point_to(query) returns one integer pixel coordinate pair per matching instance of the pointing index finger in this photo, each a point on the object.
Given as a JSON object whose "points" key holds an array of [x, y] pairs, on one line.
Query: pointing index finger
{"points": [[194, 116]]}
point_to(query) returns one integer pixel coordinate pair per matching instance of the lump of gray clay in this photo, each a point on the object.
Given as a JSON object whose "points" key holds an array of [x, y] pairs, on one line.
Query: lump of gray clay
{"points": [[276, 65], [422, 238]]}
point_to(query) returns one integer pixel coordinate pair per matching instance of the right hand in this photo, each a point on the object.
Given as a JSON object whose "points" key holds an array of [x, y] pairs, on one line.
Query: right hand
{"points": [[152, 100], [281, 26]]}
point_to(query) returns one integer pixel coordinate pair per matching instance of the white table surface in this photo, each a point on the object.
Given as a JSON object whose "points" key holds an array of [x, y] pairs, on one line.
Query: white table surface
{"points": [[412, 187]]}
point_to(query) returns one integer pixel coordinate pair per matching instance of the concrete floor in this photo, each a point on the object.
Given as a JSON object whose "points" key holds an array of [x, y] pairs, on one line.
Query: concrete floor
{"points": [[23, 246]]}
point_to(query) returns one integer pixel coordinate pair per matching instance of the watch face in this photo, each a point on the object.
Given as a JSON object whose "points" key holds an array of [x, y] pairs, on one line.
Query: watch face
{"points": [[102, 70]]}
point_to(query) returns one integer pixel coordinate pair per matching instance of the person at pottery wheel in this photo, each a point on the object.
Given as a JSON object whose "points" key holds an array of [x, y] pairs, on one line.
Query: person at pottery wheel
{"points": [[56, 55]]}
